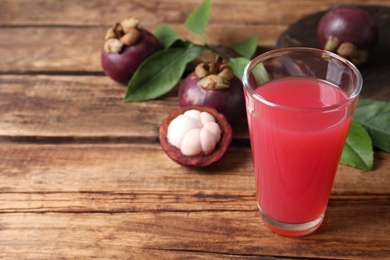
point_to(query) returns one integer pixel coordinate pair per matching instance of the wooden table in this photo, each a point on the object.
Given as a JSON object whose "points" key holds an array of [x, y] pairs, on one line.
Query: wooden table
{"points": [[82, 174]]}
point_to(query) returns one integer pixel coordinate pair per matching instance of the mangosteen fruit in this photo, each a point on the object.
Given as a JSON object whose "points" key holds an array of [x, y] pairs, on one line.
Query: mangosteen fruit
{"points": [[126, 46], [214, 85], [349, 31], [195, 135]]}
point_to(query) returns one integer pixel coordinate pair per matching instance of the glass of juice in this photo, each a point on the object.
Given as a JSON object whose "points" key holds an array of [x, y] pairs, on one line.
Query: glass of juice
{"points": [[300, 102]]}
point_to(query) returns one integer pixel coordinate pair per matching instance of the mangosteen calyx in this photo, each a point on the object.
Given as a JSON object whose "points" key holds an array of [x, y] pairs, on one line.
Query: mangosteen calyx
{"points": [[125, 33], [215, 75]]}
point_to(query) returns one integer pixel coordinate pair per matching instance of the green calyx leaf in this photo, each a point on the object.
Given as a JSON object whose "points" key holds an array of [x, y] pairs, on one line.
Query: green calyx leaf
{"points": [[166, 35], [358, 150], [246, 48], [198, 19], [374, 116], [159, 73], [238, 65]]}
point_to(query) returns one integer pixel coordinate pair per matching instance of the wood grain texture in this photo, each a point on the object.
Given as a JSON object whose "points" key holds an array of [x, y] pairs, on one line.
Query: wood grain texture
{"points": [[152, 12], [136, 167], [83, 174], [82, 107], [77, 51], [212, 234], [110, 200]]}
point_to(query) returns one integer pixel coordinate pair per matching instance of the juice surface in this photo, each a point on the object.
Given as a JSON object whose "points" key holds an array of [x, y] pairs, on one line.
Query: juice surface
{"points": [[296, 153], [301, 93]]}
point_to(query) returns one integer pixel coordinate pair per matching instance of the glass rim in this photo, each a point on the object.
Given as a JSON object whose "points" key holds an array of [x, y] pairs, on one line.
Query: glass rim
{"points": [[272, 53]]}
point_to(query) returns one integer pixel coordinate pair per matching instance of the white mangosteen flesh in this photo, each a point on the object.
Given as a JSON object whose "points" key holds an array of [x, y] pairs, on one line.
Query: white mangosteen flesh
{"points": [[194, 132]]}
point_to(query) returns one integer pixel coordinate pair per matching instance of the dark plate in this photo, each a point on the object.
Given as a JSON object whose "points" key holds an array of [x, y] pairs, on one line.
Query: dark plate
{"points": [[376, 72]]}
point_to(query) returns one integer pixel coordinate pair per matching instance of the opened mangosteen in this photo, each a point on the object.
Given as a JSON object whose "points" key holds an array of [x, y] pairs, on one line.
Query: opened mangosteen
{"points": [[126, 46], [195, 135], [214, 85], [349, 31]]}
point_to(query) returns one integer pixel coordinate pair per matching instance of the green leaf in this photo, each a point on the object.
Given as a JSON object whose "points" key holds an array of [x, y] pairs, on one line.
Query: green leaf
{"points": [[166, 35], [159, 73], [374, 116], [246, 48], [198, 19], [193, 52], [238, 65], [358, 151]]}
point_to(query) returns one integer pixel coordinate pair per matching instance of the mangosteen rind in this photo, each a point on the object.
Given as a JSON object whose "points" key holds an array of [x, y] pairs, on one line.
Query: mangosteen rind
{"points": [[121, 66], [202, 159], [229, 101]]}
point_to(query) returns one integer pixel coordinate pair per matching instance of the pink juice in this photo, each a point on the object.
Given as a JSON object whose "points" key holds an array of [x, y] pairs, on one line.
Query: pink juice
{"points": [[296, 151]]}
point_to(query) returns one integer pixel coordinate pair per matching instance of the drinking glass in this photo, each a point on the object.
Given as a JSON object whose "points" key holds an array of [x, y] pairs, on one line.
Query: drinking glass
{"points": [[299, 103]]}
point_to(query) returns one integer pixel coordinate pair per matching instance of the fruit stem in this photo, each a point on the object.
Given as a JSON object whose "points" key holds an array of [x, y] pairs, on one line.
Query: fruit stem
{"points": [[215, 66]]}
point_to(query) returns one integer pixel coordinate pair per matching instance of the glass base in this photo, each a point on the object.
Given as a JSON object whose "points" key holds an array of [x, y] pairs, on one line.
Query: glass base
{"points": [[291, 230]]}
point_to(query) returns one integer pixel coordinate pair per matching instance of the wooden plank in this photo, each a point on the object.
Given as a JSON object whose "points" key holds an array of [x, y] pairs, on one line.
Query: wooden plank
{"points": [[75, 106], [117, 167], [133, 201], [213, 234], [81, 107], [153, 12], [51, 49], [77, 50], [128, 168], [129, 201]]}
